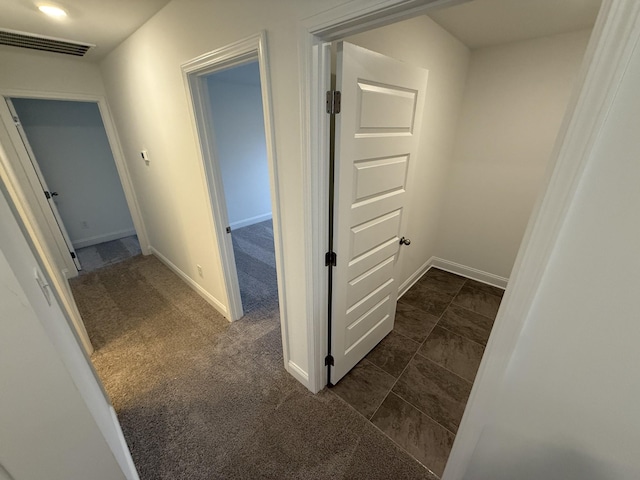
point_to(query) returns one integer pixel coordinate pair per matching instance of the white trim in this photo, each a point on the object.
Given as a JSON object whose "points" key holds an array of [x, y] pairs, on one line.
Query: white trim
{"points": [[114, 142], [298, 372], [27, 181], [125, 176], [16, 182], [23, 254], [251, 220], [199, 108], [606, 58], [452, 267], [246, 50], [131, 473], [470, 272], [315, 73], [21, 189], [105, 237], [316, 200], [616, 32], [213, 301], [413, 278]]}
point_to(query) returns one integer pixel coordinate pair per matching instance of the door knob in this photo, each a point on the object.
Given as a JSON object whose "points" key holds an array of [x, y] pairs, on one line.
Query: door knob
{"points": [[54, 194], [405, 241]]}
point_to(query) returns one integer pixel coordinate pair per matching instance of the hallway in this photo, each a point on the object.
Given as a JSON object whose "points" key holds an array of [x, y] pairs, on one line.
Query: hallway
{"points": [[201, 398]]}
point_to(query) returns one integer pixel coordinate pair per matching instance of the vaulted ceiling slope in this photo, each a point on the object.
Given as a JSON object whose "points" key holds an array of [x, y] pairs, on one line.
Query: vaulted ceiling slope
{"points": [[483, 23]]}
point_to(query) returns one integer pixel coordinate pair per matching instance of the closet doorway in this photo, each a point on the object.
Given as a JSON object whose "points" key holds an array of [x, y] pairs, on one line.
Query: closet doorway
{"points": [[68, 153], [229, 91]]}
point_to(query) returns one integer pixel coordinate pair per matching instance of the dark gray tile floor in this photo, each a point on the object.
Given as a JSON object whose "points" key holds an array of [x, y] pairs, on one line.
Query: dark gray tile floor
{"points": [[415, 384]]}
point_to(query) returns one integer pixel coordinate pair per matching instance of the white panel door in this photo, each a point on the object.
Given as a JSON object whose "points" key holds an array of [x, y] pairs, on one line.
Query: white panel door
{"points": [[376, 144], [45, 189]]}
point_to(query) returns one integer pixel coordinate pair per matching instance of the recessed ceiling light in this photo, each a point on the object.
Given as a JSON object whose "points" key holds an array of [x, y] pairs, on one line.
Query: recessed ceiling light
{"points": [[52, 11]]}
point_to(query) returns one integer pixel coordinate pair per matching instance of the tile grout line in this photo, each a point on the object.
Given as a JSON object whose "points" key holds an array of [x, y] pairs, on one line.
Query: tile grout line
{"points": [[462, 336], [381, 431], [403, 448], [390, 391], [475, 290], [444, 368], [414, 356]]}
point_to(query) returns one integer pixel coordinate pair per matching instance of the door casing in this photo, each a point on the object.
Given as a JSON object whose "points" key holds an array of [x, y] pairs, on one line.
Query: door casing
{"points": [[43, 182], [22, 185], [253, 48], [616, 31]]}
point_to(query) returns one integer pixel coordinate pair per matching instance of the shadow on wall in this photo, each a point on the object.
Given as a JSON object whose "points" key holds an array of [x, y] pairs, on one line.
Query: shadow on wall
{"points": [[502, 456]]}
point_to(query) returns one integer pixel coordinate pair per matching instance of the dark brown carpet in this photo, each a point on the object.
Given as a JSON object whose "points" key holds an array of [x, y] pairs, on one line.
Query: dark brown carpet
{"points": [[256, 264], [200, 398]]}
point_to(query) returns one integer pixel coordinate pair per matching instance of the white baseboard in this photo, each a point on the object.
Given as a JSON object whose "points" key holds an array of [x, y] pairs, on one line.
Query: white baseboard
{"points": [[453, 267], [107, 237], [470, 272], [298, 373], [213, 301], [417, 275], [250, 221]]}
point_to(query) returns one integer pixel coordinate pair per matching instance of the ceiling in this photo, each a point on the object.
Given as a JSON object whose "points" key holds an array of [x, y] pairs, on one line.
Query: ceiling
{"points": [[482, 23], [478, 23], [105, 23]]}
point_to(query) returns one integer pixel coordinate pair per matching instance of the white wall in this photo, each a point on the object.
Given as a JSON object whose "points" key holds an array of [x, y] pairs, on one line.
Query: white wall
{"points": [[423, 43], [568, 405], [25, 71], [55, 423], [71, 147], [28, 70], [147, 96], [514, 102], [238, 121]]}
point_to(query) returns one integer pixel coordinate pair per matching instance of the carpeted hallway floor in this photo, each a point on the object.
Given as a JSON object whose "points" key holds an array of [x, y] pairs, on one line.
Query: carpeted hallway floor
{"points": [[200, 398], [255, 258]]}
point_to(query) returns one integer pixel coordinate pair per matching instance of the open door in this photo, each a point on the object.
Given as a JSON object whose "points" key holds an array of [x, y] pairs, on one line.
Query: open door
{"points": [[376, 143], [50, 195]]}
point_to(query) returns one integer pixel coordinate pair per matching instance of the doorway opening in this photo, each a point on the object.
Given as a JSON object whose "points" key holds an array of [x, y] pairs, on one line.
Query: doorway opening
{"points": [[237, 121], [69, 152], [493, 108], [229, 94]]}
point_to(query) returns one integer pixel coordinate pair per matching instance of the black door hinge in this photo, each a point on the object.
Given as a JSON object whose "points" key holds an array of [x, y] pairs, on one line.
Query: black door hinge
{"points": [[228, 229], [330, 259], [73, 255], [328, 360], [333, 102]]}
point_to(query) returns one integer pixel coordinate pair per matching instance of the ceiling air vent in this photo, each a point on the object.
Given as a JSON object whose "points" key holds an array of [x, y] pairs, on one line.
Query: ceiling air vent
{"points": [[40, 42]]}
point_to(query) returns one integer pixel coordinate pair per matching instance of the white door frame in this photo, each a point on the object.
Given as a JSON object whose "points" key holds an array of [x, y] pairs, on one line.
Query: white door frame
{"points": [[315, 79], [43, 182], [253, 48], [18, 248], [616, 31], [114, 144], [21, 182]]}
